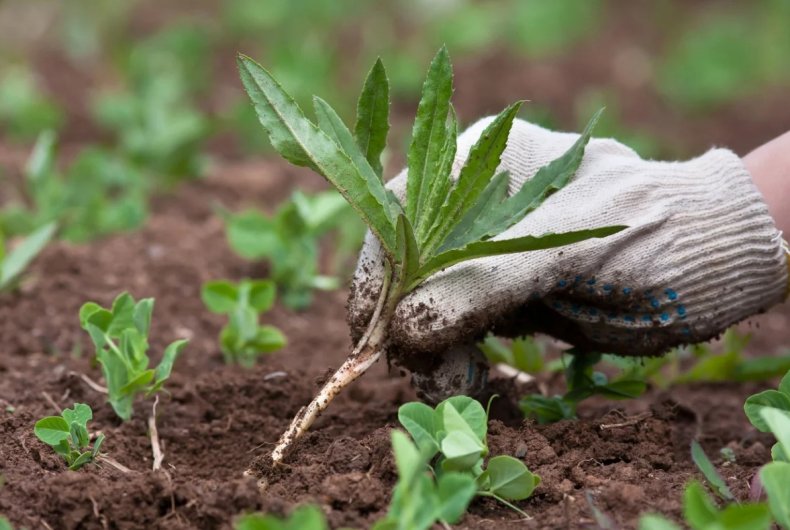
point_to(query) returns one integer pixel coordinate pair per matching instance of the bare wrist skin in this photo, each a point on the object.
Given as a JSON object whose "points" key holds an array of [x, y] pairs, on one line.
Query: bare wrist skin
{"points": [[769, 166]]}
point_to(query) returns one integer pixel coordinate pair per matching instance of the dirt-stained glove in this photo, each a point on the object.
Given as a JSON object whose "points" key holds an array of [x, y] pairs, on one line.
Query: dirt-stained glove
{"points": [[701, 253]]}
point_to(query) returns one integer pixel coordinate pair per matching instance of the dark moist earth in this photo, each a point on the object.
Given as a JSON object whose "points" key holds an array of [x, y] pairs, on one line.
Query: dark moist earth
{"points": [[219, 420]]}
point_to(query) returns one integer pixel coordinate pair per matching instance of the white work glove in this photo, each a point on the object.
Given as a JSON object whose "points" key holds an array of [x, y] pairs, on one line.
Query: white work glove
{"points": [[701, 253]]}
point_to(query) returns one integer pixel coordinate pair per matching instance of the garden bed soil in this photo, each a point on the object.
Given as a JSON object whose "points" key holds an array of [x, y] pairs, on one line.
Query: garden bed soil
{"points": [[624, 458]]}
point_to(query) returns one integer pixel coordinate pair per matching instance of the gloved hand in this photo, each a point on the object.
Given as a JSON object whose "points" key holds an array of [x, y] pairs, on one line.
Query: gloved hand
{"points": [[701, 253]]}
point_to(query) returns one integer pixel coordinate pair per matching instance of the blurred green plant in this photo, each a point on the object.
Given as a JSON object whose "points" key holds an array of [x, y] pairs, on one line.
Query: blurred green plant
{"points": [[303, 518], [243, 339], [14, 261], [24, 109], [289, 241], [99, 194]]}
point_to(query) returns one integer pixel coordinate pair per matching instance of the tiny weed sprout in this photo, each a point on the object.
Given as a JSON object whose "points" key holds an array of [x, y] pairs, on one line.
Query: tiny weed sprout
{"points": [[453, 437], [13, 262], [288, 240], [304, 518], [442, 221], [120, 336], [582, 383], [243, 339], [715, 480], [68, 435]]}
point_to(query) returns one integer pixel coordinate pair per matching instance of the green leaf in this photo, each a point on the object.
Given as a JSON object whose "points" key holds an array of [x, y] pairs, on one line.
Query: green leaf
{"points": [[81, 460], [441, 182], [462, 451], [483, 160], [97, 446], [745, 517], [547, 409], [420, 422], [81, 414], [468, 230], [220, 296], [706, 466], [303, 518], [409, 259], [261, 295], [372, 125], [165, 366], [549, 178], [656, 522], [507, 246], [766, 399], [509, 478], [5, 524], [624, 389], [252, 235], [52, 430], [138, 382], [333, 126], [42, 159], [428, 134], [21, 256], [778, 422], [698, 509], [407, 456], [268, 339], [455, 492], [775, 477], [302, 143], [143, 311], [467, 415]]}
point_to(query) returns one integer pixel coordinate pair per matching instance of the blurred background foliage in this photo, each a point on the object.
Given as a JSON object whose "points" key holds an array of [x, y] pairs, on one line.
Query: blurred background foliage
{"points": [[152, 85]]}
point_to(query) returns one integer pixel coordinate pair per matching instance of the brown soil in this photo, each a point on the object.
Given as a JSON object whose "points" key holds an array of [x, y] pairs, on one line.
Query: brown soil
{"points": [[219, 420]]}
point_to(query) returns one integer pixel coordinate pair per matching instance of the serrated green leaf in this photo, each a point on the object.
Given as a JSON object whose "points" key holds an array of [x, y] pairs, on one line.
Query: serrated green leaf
{"points": [[765, 399], [441, 182], [409, 259], [483, 160], [420, 421], [52, 430], [549, 178], [775, 477], [302, 143], [372, 125], [220, 296], [467, 229], [510, 479], [455, 491], [711, 475], [17, 260], [428, 135], [507, 246]]}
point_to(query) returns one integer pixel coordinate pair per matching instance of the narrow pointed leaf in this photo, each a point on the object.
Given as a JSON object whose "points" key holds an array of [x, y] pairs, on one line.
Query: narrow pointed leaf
{"points": [[428, 134], [17, 260], [410, 258], [372, 125], [442, 181], [302, 143], [475, 222], [166, 364], [506, 246], [709, 470], [550, 178], [484, 158]]}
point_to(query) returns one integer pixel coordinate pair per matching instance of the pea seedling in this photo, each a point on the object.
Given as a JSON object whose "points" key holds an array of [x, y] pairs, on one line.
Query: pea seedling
{"points": [[442, 222], [68, 435], [120, 336], [243, 339], [14, 262], [454, 434], [289, 241]]}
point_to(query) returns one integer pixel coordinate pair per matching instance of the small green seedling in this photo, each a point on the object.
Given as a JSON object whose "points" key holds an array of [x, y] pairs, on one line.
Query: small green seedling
{"points": [[440, 222], [453, 437], [13, 262], [303, 518], [523, 353], [243, 339], [420, 500], [24, 110], [582, 383], [68, 435], [701, 513], [289, 239], [774, 403], [120, 336]]}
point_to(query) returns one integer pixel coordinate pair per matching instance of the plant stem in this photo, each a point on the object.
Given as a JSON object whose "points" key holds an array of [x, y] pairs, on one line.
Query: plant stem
{"points": [[367, 351], [159, 456]]}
